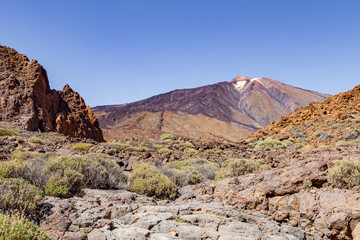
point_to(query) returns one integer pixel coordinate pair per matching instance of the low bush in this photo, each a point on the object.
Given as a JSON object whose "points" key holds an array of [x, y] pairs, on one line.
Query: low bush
{"points": [[190, 151], [8, 132], [268, 144], [188, 172], [64, 183], [82, 147], [71, 173], [30, 166], [147, 179], [138, 149], [238, 167], [35, 140], [206, 168], [18, 194], [345, 173], [167, 136], [214, 151], [17, 227], [65, 175], [164, 150]]}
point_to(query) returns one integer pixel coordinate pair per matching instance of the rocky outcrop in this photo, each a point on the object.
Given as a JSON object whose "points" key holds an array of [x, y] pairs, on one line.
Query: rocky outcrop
{"points": [[27, 100]]}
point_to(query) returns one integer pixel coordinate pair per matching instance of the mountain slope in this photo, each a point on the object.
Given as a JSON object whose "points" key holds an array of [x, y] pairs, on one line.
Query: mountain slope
{"points": [[243, 102], [336, 121]]}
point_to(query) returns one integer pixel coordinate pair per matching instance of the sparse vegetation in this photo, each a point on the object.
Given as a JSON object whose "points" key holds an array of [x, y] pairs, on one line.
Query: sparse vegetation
{"points": [[138, 149], [147, 179], [8, 132], [71, 173], [345, 173], [35, 140], [82, 147], [191, 151], [18, 194], [64, 175], [188, 172], [167, 136], [17, 227], [268, 143], [164, 150], [238, 167]]}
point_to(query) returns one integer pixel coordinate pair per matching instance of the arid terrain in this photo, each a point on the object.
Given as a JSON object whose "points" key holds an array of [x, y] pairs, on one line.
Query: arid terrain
{"points": [[296, 178]]}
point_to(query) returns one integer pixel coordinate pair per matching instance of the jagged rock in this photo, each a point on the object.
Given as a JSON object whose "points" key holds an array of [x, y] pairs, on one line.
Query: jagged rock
{"points": [[27, 100]]}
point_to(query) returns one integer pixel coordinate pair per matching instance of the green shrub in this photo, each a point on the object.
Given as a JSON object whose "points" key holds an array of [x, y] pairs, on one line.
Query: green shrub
{"points": [[164, 150], [18, 194], [138, 149], [8, 132], [17, 227], [82, 147], [184, 145], [238, 167], [147, 179], [191, 151], [30, 166], [207, 169], [187, 172], [64, 175], [214, 151], [345, 173], [64, 183], [167, 136], [158, 147], [35, 140], [71, 173], [268, 144]]}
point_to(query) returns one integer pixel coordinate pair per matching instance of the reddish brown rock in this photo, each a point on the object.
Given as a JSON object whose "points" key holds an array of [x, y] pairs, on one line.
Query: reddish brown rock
{"points": [[27, 100]]}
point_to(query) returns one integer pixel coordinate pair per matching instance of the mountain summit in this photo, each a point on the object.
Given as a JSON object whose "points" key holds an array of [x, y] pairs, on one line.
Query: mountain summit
{"points": [[240, 106]]}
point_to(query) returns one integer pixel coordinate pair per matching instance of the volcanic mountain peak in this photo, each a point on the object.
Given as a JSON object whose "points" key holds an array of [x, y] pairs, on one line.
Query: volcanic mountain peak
{"points": [[247, 103], [242, 81]]}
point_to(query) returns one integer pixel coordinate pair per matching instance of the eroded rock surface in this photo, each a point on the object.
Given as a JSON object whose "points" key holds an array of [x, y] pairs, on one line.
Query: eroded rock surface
{"points": [[106, 214], [27, 100]]}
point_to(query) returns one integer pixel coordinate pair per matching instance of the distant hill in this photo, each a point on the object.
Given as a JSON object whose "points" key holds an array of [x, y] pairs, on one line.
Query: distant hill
{"points": [[240, 106]]}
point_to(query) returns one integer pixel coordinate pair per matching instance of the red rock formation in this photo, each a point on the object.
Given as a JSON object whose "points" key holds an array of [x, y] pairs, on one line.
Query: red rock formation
{"points": [[27, 100]]}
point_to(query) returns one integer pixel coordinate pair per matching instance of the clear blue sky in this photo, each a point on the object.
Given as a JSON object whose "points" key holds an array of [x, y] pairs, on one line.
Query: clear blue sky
{"points": [[115, 52]]}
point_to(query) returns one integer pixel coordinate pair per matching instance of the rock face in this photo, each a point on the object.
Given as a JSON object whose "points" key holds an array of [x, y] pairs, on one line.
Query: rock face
{"points": [[248, 104], [27, 100]]}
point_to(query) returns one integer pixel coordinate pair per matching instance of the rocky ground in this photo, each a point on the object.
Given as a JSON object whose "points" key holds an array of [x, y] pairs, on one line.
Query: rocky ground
{"points": [[291, 202]]}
